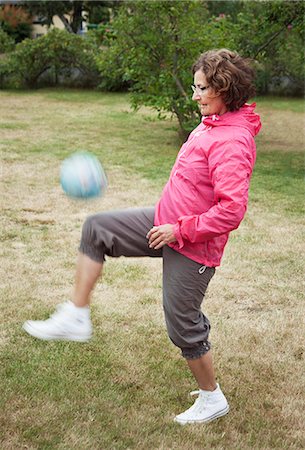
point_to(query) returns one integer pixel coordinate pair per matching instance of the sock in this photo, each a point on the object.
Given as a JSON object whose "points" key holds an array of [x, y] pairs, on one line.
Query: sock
{"points": [[80, 311], [211, 392]]}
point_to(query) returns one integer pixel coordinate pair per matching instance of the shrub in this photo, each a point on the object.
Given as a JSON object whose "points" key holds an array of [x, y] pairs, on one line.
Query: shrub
{"points": [[58, 54], [7, 75], [6, 42]]}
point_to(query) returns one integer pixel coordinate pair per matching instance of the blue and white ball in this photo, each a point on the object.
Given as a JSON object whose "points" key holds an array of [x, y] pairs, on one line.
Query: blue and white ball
{"points": [[82, 176]]}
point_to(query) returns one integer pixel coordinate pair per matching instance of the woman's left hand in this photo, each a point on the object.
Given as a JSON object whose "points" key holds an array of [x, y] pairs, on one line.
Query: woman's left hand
{"points": [[160, 236]]}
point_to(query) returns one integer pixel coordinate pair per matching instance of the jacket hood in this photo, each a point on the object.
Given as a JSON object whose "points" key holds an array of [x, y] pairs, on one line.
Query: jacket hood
{"points": [[245, 117]]}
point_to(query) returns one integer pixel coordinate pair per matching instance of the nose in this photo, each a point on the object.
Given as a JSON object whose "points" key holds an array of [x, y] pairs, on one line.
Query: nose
{"points": [[196, 97]]}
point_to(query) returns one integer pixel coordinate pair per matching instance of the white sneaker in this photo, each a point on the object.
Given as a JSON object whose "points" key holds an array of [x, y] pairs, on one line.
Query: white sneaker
{"points": [[208, 406], [67, 323]]}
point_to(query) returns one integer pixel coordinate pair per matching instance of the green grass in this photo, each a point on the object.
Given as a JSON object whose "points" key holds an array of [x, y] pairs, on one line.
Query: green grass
{"points": [[122, 389], [278, 181], [282, 103]]}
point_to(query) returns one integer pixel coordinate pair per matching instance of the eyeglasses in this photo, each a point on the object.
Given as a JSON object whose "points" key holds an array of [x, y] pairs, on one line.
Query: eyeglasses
{"points": [[198, 90]]}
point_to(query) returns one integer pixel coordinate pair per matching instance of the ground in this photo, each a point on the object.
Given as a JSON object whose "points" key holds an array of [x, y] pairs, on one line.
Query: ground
{"points": [[121, 390]]}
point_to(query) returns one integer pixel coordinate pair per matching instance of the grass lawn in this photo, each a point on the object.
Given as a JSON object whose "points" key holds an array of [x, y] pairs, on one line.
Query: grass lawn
{"points": [[122, 389]]}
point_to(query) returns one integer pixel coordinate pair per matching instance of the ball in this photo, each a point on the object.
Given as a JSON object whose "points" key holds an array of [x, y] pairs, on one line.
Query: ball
{"points": [[82, 176]]}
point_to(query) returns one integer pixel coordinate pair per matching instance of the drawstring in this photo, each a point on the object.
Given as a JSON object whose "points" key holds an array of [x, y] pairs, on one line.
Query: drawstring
{"points": [[215, 117], [202, 269]]}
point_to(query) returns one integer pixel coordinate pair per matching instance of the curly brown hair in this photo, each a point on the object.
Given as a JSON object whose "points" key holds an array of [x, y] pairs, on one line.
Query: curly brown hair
{"points": [[229, 74]]}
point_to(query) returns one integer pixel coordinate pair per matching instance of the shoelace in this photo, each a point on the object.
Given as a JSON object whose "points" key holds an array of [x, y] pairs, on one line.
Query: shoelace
{"points": [[57, 314], [200, 403], [193, 393]]}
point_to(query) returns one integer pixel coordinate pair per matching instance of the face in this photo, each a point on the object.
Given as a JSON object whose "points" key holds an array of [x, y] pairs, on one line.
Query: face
{"points": [[209, 101]]}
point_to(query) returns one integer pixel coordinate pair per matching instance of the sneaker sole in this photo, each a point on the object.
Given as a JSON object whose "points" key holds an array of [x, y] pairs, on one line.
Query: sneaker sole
{"points": [[67, 337], [221, 413]]}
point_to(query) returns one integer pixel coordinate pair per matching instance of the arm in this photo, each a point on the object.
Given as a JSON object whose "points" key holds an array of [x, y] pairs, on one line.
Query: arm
{"points": [[230, 169]]}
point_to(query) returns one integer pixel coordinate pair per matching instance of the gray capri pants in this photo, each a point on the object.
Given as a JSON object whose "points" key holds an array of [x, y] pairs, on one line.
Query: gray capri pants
{"points": [[123, 233]]}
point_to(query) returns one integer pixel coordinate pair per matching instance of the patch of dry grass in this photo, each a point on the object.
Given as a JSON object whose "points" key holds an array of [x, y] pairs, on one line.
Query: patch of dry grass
{"points": [[282, 130], [121, 390]]}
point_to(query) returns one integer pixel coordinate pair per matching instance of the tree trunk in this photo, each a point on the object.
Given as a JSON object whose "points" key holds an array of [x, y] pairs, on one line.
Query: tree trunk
{"points": [[65, 22], [183, 133], [77, 17]]}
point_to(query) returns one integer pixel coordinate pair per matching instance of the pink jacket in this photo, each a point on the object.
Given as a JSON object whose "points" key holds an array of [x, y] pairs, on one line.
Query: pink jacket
{"points": [[206, 195]]}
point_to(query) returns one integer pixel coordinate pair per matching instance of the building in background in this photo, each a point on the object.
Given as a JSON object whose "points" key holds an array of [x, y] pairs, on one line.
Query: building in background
{"points": [[40, 29]]}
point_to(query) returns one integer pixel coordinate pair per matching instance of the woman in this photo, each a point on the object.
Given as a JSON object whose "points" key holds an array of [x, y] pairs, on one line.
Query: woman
{"points": [[205, 198]]}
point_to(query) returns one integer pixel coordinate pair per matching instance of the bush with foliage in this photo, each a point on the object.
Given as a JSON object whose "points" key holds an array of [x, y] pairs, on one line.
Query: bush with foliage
{"points": [[6, 72], [7, 43], [57, 53]]}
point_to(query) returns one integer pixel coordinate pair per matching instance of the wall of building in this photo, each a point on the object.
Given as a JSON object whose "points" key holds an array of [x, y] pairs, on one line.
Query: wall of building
{"points": [[40, 30]]}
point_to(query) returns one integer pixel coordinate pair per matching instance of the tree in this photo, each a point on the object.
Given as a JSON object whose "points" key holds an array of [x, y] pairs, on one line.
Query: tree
{"points": [[224, 7], [15, 21], [154, 45], [270, 19], [101, 12], [46, 10], [272, 34]]}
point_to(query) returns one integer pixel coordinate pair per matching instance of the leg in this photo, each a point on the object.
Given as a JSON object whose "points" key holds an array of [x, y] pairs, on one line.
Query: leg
{"points": [[203, 371], [87, 273], [115, 233], [184, 286]]}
